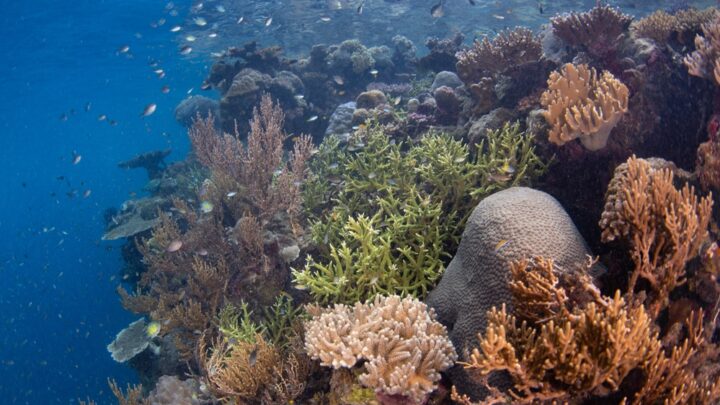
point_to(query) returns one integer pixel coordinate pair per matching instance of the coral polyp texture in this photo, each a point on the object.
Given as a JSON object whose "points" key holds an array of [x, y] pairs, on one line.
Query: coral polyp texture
{"points": [[404, 348], [705, 60], [581, 104]]}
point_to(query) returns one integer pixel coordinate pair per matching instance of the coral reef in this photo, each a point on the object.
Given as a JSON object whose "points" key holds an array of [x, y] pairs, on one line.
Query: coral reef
{"points": [[708, 162], [403, 347], [572, 350], [153, 162], [579, 104], [665, 226], [597, 31], [384, 233], [172, 390], [192, 106], [705, 60], [131, 341], [663, 27], [506, 226]]}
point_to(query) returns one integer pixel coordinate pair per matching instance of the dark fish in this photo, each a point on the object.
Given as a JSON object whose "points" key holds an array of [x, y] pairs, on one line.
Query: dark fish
{"points": [[185, 50], [472, 2], [112, 123], [165, 89], [360, 7], [540, 7], [63, 117], [437, 10]]}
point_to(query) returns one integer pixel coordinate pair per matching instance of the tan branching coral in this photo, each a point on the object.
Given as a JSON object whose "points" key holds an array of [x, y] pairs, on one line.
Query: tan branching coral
{"points": [[404, 347], [705, 60], [660, 25], [487, 57], [572, 351], [598, 30], [665, 226], [579, 104]]}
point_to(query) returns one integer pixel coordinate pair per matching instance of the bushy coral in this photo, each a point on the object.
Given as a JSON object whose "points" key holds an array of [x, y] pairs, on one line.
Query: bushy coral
{"points": [[398, 214], [405, 349], [350, 56], [598, 31], [705, 60], [581, 104], [662, 26]]}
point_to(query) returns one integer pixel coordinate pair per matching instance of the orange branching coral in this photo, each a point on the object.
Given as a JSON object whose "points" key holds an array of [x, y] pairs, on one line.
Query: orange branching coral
{"points": [[578, 351], [404, 347], [486, 57], [705, 60], [598, 30], [664, 226], [579, 104], [132, 396]]}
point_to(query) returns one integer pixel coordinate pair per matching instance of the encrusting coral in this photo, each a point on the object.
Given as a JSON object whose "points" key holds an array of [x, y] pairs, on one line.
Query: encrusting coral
{"points": [[581, 104], [404, 348], [665, 226]]}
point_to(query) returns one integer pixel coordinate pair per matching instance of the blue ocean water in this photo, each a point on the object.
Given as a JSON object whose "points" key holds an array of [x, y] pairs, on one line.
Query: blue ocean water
{"points": [[58, 306]]}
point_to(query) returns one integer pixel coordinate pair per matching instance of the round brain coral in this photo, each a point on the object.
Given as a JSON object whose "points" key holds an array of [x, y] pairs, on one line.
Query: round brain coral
{"points": [[580, 104]]}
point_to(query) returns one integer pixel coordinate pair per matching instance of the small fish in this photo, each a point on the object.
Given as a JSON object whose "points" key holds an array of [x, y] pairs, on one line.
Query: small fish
{"points": [[153, 329], [102, 117], [220, 8], [76, 158], [460, 159], [87, 193], [63, 117], [205, 86], [175, 28], [112, 123], [241, 19], [313, 118], [508, 168], [206, 207], [397, 101], [472, 2], [501, 243], [185, 50], [540, 7], [200, 22], [202, 252], [88, 105], [149, 109], [299, 97], [124, 49], [165, 89], [231, 194], [213, 35], [325, 19], [372, 175], [498, 17], [174, 246], [190, 90], [190, 38], [339, 80], [268, 21], [500, 177], [359, 9], [252, 358], [437, 10], [374, 72]]}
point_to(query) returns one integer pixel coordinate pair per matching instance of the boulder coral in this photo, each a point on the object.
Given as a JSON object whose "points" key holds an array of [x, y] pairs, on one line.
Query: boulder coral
{"points": [[509, 225]]}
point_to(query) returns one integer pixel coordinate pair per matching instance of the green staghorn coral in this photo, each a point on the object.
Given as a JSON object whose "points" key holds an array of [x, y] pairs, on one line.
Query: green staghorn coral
{"points": [[396, 213]]}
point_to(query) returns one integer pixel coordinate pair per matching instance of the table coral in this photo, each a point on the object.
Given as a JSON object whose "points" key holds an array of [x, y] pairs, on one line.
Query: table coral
{"points": [[581, 104], [405, 349]]}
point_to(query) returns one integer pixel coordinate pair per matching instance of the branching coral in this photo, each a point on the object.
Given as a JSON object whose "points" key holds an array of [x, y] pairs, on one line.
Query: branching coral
{"points": [[568, 350], [660, 26], [598, 30], [705, 60], [405, 349], [385, 231], [664, 226], [486, 57], [579, 104]]}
